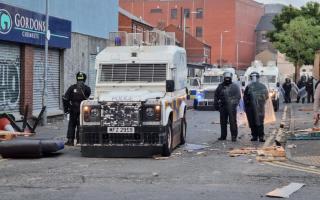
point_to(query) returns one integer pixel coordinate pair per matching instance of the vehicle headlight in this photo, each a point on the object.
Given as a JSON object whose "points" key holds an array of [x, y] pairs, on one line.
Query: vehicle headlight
{"points": [[91, 113], [152, 113], [200, 96]]}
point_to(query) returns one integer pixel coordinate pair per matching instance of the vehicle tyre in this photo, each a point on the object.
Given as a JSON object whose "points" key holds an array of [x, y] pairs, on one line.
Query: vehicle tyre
{"points": [[183, 133], [167, 147], [195, 104]]}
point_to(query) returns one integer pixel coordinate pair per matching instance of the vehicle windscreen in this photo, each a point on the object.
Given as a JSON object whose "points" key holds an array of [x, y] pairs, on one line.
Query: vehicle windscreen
{"points": [[132, 73], [268, 79], [194, 82], [212, 79]]}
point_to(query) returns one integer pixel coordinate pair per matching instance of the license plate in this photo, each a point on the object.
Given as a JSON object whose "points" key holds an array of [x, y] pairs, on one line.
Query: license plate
{"points": [[120, 129]]}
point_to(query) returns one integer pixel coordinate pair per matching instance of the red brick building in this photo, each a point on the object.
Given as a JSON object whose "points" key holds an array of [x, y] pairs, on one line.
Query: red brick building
{"points": [[197, 51], [208, 20], [132, 24]]}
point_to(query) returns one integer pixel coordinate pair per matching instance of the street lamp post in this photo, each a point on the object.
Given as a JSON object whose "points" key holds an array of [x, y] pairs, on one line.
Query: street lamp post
{"points": [[45, 90], [238, 52], [221, 44]]}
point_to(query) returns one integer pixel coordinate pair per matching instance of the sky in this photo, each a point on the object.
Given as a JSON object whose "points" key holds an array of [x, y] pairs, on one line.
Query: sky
{"points": [[297, 3]]}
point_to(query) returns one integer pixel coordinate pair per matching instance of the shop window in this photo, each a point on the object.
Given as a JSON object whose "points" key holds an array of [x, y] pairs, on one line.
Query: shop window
{"points": [[186, 12], [199, 13], [174, 13], [198, 31]]}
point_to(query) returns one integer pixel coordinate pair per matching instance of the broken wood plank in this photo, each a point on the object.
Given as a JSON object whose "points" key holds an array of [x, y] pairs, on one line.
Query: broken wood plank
{"points": [[285, 191]]}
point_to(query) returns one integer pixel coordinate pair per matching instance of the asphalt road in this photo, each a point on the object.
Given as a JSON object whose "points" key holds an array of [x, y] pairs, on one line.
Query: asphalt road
{"points": [[207, 173]]}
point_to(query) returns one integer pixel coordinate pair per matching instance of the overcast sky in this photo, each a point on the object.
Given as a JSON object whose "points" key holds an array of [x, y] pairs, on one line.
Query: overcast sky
{"points": [[296, 3]]}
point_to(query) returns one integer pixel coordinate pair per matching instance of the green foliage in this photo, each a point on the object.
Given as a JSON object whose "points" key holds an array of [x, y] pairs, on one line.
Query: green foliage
{"points": [[299, 40], [297, 32]]}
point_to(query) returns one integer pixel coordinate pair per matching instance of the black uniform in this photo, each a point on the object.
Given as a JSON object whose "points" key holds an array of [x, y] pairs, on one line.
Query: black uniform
{"points": [[301, 83], [226, 100], [287, 87], [75, 95], [255, 97], [310, 91]]}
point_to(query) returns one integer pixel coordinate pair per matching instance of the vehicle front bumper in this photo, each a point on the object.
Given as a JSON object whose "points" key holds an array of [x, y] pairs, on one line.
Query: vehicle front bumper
{"points": [[205, 104], [145, 142]]}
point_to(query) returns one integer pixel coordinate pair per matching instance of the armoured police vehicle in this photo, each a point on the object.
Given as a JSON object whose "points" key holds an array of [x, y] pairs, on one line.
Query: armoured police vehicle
{"points": [[210, 80], [139, 106], [193, 86], [270, 76]]}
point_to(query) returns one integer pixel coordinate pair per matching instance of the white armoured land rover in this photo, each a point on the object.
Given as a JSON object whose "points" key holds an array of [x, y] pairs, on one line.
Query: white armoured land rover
{"points": [[139, 106], [210, 81]]}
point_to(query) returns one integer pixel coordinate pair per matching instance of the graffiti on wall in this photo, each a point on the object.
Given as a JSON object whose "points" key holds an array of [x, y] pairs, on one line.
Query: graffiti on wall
{"points": [[9, 84]]}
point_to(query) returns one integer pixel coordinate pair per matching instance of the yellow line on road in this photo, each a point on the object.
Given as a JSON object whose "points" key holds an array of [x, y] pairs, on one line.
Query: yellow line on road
{"points": [[297, 166], [294, 167]]}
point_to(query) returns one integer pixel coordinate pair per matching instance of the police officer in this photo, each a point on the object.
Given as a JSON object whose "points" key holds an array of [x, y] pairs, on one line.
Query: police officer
{"points": [[72, 99], [226, 100], [287, 87], [309, 88], [255, 97], [301, 83]]}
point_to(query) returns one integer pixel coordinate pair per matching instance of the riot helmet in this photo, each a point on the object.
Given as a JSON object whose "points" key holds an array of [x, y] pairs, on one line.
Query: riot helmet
{"points": [[227, 77], [81, 77], [303, 78], [288, 80], [254, 76]]}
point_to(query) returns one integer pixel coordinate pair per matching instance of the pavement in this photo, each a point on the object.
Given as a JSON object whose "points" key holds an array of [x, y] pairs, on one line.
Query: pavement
{"points": [[306, 152]]}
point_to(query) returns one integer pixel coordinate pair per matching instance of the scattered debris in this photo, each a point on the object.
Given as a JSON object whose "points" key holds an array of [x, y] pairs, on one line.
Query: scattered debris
{"points": [[194, 147], [306, 109], [159, 157], [285, 191], [305, 135], [155, 174], [266, 154], [291, 146], [201, 153]]}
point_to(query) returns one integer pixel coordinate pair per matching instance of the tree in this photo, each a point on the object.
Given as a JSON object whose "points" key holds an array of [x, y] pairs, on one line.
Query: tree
{"points": [[299, 40], [296, 33]]}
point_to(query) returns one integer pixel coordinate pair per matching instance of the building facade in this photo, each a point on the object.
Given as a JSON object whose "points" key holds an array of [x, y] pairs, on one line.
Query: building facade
{"points": [[132, 24], [227, 26], [75, 40]]}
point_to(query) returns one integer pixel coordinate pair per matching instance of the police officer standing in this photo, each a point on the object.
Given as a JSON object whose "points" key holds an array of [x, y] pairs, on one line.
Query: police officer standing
{"points": [[301, 83], [226, 100], [287, 87], [73, 97], [309, 88], [255, 97]]}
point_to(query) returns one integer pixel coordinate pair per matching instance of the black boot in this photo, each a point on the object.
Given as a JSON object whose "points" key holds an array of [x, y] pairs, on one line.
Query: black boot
{"points": [[234, 139], [221, 138], [254, 139], [261, 139], [70, 142]]}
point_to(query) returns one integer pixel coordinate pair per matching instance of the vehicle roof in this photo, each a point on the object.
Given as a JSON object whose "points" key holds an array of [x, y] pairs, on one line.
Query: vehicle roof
{"points": [[145, 54], [269, 70]]}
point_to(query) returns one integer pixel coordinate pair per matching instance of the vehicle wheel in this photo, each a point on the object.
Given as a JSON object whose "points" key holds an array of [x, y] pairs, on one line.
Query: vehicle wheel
{"points": [[183, 130], [195, 104], [167, 147]]}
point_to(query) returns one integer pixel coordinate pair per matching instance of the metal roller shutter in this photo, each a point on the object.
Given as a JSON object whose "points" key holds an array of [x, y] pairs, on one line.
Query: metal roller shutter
{"points": [[9, 78], [92, 73], [53, 80]]}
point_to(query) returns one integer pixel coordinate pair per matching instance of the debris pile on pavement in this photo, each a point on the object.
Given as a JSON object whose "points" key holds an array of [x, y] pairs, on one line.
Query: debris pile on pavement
{"points": [[266, 154], [307, 134], [285, 191]]}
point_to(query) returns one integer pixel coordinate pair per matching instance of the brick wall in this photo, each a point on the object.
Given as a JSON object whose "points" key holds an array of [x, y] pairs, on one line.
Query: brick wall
{"points": [[26, 78]]}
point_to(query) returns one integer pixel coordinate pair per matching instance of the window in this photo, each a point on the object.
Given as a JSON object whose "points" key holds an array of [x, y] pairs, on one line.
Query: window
{"points": [[156, 10], [174, 13], [186, 12], [264, 37], [198, 31], [199, 13]]}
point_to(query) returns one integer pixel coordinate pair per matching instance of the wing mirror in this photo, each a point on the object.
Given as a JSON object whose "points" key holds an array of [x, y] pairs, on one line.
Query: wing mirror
{"points": [[169, 85]]}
